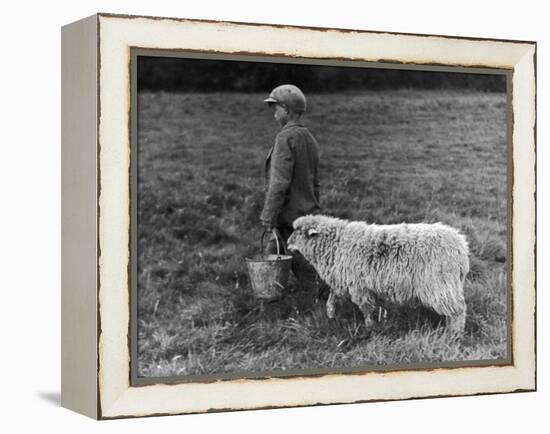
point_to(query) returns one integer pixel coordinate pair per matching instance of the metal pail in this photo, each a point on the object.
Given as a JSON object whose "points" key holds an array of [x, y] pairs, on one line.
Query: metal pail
{"points": [[269, 274]]}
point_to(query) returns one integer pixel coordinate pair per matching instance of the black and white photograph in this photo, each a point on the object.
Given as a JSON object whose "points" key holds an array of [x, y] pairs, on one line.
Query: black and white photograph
{"points": [[295, 218]]}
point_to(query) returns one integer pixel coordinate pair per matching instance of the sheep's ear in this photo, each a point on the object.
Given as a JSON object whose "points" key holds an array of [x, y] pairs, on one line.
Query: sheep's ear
{"points": [[312, 232]]}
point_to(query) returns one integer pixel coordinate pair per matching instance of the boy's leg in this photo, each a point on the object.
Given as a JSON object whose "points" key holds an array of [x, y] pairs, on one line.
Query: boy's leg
{"points": [[306, 275]]}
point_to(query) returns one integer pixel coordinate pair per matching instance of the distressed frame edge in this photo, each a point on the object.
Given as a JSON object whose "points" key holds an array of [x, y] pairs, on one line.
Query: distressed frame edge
{"points": [[527, 386], [316, 28]]}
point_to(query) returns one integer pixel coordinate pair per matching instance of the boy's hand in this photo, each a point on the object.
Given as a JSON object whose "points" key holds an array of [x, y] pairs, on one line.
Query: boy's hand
{"points": [[268, 226]]}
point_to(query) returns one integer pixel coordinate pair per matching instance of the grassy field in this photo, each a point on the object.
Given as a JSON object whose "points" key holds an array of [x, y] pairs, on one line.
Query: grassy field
{"points": [[387, 157]]}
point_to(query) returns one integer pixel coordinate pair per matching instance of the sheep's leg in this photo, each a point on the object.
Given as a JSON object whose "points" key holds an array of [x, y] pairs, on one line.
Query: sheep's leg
{"points": [[330, 304], [366, 303], [367, 309], [449, 303], [456, 323]]}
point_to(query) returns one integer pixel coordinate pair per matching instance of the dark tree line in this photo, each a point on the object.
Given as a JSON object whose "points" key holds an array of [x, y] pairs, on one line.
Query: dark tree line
{"points": [[183, 75]]}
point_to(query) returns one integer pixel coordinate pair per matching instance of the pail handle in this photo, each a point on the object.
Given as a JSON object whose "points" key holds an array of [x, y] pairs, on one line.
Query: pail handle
{"points": [[276, 234]]}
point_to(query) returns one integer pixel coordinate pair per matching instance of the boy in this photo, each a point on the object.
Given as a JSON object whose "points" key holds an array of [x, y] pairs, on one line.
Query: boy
{"points": [[292, 176]]}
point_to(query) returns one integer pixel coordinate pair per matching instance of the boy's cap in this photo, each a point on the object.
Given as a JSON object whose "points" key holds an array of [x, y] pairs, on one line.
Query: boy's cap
{"points": [[289, 95]]}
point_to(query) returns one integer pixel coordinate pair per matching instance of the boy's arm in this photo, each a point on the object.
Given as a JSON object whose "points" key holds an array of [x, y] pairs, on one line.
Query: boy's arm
{"points": [[282, 168]]}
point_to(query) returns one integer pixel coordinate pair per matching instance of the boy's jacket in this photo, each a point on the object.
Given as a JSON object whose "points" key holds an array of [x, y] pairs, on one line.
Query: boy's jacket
{"points": [[292, 176]]}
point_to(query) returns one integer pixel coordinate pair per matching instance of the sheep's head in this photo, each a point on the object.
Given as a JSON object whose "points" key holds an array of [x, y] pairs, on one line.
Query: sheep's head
{"points": [[312, 235]]}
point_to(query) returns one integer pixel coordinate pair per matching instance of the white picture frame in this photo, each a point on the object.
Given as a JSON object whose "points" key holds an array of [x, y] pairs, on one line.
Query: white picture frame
{"points": [[96, 214]]}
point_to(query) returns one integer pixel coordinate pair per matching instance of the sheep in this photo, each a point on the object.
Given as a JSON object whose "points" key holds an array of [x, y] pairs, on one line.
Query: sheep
{"points": [[403, 263]]}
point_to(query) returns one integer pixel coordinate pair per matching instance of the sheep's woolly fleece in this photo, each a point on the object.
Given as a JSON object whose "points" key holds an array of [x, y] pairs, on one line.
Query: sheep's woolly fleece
{"points": [[403, 263]]}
